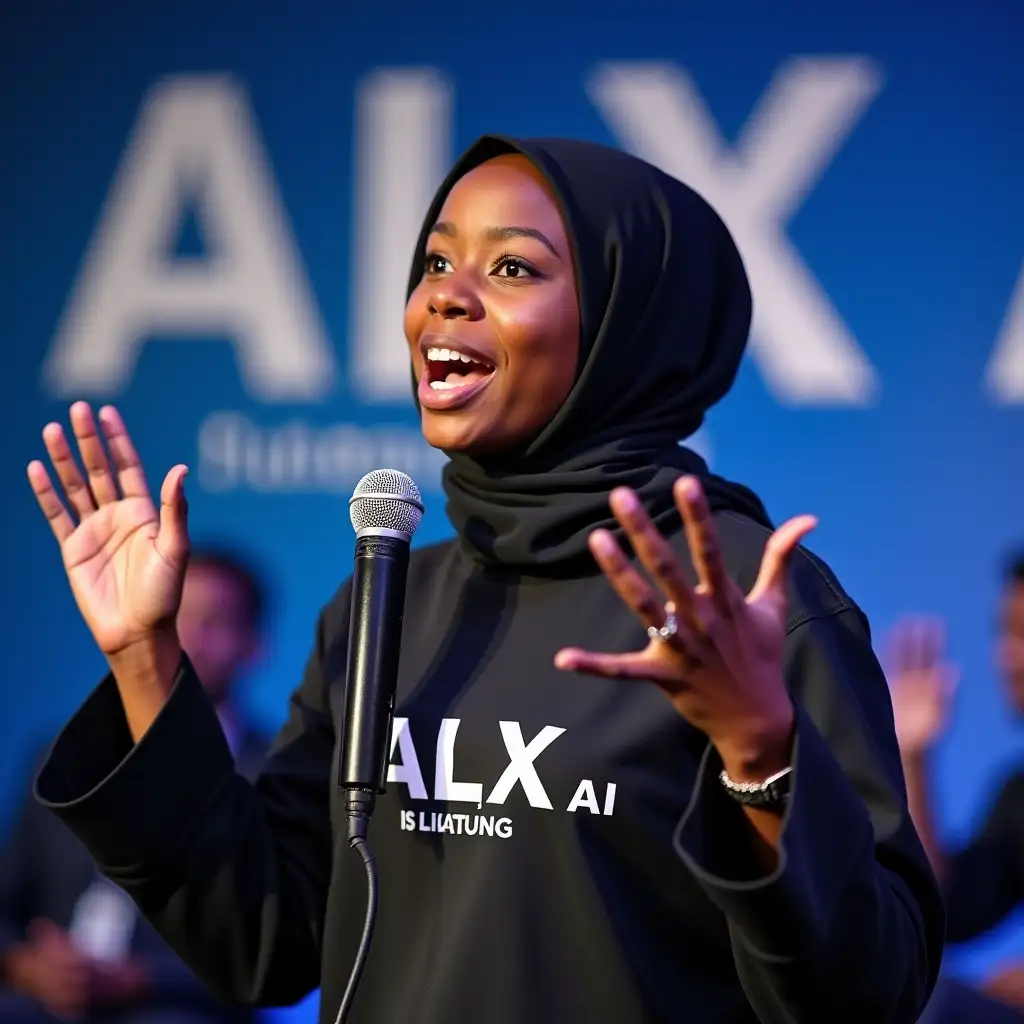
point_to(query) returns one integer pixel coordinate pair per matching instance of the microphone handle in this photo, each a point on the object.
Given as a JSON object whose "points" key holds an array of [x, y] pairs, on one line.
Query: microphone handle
{"points": [[375, 637]]}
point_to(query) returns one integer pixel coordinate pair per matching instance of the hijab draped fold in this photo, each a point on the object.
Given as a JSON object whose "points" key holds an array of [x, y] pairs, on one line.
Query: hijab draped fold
{"points": [[665, 310]]}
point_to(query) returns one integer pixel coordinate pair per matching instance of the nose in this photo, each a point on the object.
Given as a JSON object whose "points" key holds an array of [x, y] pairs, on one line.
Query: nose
{"points": [[454, 299]]}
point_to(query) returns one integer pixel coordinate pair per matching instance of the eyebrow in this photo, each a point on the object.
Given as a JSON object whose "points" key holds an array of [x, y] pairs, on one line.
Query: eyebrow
{"points": [[446, 228]]}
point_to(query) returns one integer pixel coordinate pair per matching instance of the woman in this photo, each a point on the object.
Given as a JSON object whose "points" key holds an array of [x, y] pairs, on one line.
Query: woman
{"points": [[551, 847]]}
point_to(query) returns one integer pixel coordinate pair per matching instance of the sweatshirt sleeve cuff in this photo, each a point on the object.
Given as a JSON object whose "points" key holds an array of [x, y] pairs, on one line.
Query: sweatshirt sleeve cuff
{"points": [[132, 804], [826, 831]]}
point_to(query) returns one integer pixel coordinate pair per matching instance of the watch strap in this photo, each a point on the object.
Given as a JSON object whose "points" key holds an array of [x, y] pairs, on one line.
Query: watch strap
{"points": [[770, 792]]}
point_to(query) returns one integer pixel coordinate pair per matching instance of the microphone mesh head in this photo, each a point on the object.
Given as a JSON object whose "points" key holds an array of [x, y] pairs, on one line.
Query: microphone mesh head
{"points": [[386, 500]]}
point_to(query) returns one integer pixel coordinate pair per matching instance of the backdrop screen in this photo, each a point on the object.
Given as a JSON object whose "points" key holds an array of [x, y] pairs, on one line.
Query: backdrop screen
{"points": [[207, 217]]}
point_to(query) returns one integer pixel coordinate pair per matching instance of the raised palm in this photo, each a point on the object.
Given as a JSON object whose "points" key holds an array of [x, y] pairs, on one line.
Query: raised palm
{"points": [[921, 683], [124, 560]]}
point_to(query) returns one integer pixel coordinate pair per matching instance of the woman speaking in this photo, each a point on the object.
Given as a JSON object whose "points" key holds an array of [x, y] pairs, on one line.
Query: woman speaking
{"points": [[644, 767]]}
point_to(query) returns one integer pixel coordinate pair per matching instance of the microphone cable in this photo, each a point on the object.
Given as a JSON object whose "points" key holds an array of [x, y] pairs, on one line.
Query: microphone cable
{"points": [[359, 808]]}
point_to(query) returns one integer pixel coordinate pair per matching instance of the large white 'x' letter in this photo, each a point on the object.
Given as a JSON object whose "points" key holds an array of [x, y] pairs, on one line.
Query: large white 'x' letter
{"points": [[804, 350], [520, 768]]}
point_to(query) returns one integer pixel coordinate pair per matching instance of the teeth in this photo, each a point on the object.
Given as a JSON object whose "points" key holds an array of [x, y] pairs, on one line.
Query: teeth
{"points": [[442, 385], [447, 355]]}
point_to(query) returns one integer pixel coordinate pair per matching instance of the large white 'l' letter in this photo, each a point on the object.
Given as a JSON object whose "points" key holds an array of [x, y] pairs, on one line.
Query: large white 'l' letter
{"points": [[445, 786], [805, 352], [402, 151], [1006, 368], [195, 143]]}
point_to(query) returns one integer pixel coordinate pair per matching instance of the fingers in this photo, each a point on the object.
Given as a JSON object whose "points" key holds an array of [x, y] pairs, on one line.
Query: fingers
{"points": [[703, 542], [68, 474], [94, 456], [172, 537], [950, 680], [635, 665], [904, 653], [654, 552], [922, 643], [99, 486], [130, 474], [49, 501], [777, 553], [917, 648], [627, 582]]}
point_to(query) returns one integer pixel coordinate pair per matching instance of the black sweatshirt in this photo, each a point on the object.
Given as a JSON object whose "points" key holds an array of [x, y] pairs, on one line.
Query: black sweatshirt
{"points": [[986, 878], [552, 848]]}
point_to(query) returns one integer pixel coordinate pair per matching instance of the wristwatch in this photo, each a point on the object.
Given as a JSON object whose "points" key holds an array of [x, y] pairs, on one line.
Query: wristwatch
{"points": [[772, 792]]}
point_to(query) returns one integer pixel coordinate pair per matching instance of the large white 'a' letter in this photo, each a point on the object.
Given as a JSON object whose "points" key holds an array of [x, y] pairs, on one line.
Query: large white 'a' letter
{"points": [[1006, 368], [409, 770], [195, 144], [804, 350], [403, 127]]}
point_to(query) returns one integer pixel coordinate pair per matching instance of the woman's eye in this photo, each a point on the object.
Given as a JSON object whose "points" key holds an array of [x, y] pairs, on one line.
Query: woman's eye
{"points": [[514, 269], [435, 264]]}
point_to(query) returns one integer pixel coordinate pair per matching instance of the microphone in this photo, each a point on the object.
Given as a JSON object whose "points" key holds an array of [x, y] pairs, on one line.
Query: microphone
{"points": [[385, 509]]}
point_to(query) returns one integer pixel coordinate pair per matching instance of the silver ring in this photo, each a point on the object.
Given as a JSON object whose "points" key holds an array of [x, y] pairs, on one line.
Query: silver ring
{"points": [[666, 632]]}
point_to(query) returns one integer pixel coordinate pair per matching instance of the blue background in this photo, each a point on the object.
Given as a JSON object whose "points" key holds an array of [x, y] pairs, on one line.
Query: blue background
{"points": [[914, 232]]}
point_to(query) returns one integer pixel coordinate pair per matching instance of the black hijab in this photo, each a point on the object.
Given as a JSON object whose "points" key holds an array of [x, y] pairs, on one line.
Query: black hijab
{"points": [[664, 309]]}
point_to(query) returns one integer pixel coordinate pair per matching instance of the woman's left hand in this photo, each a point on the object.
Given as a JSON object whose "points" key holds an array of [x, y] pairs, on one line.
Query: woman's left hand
{"points": [[718, 657]]}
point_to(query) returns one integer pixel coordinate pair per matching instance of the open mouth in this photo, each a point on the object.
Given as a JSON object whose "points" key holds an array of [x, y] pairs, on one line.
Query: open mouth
{"points": [[447, 368]]}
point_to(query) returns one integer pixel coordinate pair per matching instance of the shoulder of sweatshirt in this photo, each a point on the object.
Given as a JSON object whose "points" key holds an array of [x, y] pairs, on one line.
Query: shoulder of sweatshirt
{"points": [[425, 566], [815, 592]]}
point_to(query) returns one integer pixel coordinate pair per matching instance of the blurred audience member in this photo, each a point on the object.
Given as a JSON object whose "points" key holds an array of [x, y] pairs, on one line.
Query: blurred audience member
{"points": [[72, 945], [984, 881]]}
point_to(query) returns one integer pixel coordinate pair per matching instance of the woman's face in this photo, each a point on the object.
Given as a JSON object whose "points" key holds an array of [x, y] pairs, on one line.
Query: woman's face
{"points": [[493, 326]]}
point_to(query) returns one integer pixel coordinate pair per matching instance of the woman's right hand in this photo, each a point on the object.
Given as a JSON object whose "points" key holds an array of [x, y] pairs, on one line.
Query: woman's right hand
{"points": [[125, 561]]}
